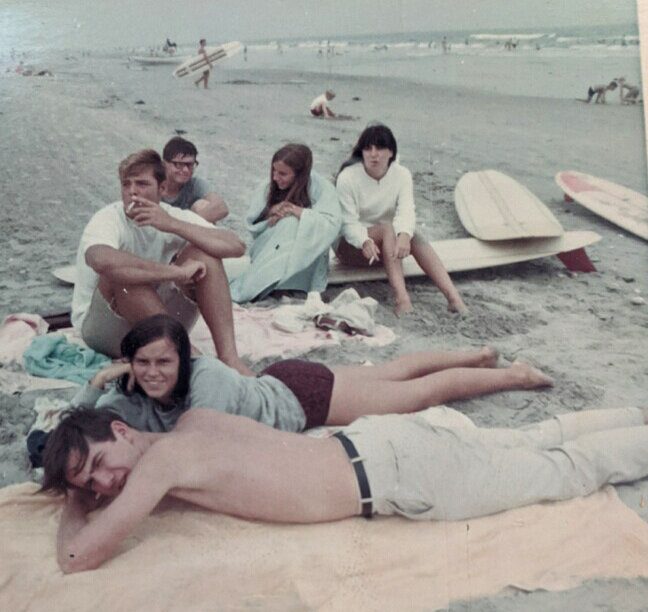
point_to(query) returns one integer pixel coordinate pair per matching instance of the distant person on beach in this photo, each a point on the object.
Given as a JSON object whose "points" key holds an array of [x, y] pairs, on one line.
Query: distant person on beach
{"points": [[32, 72], [632, 95], [379, 218], [184, 190], [319, 106], [170, 47], [444, 44], [434, 465], [205, 75], [138, 257], [294, 217], [599, 91], [159, 381]]}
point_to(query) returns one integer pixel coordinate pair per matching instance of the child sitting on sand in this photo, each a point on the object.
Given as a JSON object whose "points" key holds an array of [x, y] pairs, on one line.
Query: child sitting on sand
{"points": [[632, 95], [319, 106]]}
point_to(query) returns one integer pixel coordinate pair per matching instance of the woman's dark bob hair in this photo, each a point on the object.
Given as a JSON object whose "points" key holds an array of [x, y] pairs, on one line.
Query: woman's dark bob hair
{"points": [[149, 330], [375, 134]]}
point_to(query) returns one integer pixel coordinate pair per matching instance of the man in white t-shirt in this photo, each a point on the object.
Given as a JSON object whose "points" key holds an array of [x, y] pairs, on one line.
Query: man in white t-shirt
{"points": [[319, 106], [139, 256]]}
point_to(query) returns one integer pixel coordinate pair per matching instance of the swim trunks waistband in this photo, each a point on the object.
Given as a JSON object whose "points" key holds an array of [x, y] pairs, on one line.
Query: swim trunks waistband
{"points": [[361, 475]]}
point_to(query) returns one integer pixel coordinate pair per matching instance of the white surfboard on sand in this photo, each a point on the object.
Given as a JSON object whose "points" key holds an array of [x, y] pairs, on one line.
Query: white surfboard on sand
{"points": [[197, 63], [619, 205], [493, 206], [457, 255]]}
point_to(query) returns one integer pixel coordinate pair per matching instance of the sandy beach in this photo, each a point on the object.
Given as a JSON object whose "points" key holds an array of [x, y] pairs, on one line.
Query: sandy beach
{"points": [[63, 137]]}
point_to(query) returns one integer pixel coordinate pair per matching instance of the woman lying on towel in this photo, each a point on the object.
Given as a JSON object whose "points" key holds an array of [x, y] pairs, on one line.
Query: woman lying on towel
{"points": [[379, 218], [294, 218], [160, 381]]}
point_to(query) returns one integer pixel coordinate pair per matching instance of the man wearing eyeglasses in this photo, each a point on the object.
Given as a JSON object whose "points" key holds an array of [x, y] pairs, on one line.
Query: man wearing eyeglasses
{"points": [[184, 190]]}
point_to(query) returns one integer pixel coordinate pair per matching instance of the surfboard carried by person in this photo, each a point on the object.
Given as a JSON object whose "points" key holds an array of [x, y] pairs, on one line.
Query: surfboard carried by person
{"points": [[202, 50]]}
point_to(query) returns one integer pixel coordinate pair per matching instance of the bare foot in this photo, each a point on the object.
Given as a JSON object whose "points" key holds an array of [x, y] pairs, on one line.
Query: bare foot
{"points": [[488, 357], [457, 305], [530, 377], [402, 306]]}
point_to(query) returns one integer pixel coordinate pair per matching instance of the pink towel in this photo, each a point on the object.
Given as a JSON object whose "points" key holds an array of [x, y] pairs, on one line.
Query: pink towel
{"points": [[16, 333], [257, 338], [183, 558]]}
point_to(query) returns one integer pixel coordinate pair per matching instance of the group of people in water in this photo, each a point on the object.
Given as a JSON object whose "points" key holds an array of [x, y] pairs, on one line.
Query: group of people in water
{"points": [[166, 421]]}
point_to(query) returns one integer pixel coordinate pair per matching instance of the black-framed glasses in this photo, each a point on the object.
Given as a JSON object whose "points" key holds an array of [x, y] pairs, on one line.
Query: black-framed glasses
{"points": [[178, 165]]}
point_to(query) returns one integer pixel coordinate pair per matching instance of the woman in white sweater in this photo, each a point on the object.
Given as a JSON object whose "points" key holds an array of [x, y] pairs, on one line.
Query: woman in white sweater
{"points": [[379, 218]]}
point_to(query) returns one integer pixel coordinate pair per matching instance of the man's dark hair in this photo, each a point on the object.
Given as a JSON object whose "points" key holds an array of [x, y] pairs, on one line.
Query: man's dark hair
{"points": [[77, 426], [178, 146]]}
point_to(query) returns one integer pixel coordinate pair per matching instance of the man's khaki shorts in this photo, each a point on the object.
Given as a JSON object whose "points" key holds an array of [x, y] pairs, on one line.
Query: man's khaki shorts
{"points": [[103, 329]]}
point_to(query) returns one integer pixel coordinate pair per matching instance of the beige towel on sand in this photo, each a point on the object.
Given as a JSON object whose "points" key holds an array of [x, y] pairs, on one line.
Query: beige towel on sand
{"points": [[182, 558]]}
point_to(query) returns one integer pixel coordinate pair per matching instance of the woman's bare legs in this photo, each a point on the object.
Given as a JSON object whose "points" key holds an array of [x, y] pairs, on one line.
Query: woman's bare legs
{"points": [[430, 263], [383, 235], [421, 363], [353, 396], [385, 238]]}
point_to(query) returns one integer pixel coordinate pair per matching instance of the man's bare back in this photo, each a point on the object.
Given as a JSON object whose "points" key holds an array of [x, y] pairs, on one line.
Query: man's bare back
{"points": [[313, 479], [207, 457]]}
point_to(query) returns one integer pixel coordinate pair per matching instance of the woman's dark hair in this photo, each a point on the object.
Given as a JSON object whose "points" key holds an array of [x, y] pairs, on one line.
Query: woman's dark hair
{"points": [[149, 330], [300, 159], [376, 134]]}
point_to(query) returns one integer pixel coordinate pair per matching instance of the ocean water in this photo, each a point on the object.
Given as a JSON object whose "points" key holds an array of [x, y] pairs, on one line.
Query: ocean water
{"points": [[555, 62]]}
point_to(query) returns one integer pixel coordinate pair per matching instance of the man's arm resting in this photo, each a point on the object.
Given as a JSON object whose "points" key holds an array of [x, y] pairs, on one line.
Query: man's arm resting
{"points": [[128, 269], [84, 545], [211, 207], [214, 241]]}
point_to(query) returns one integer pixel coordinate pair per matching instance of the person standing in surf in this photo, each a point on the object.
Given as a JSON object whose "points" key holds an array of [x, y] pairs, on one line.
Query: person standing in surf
{"points": [[379, 218]]}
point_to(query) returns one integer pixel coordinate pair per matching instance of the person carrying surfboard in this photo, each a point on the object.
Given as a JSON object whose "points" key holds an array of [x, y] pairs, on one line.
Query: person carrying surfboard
{"points": [[379, 218], [184, 190], [138, 257], [202, 50]]}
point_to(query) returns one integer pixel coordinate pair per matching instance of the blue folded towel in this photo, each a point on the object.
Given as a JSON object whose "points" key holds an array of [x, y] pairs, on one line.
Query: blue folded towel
{"points": [[52, 356]]}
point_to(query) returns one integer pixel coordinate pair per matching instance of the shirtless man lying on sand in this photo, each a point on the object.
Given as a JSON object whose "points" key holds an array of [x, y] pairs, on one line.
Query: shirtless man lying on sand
{"points": [[391, 464]]}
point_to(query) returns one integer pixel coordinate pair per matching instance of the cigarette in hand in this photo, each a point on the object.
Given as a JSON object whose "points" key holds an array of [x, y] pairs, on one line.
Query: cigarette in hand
{"points": [[372, 259], [130, 207]]}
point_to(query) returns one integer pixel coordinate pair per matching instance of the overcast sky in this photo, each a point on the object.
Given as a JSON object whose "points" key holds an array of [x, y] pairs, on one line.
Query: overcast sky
{"points": [[133, 22]]}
